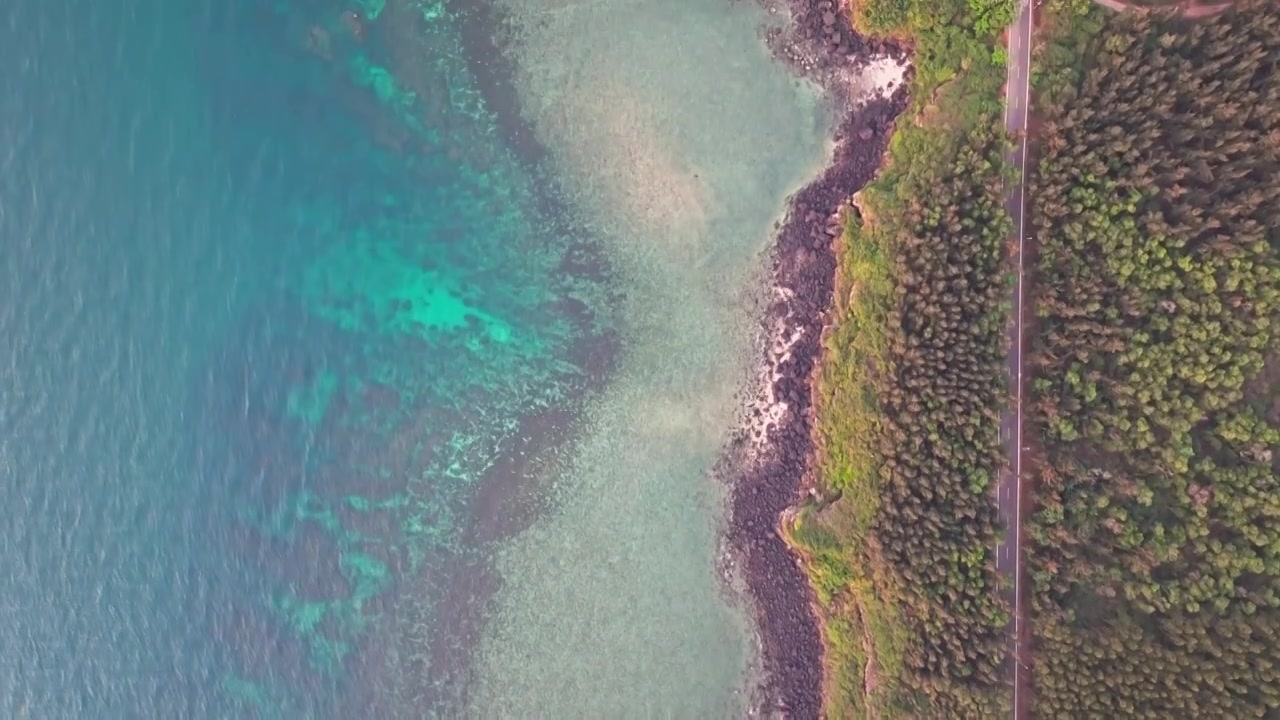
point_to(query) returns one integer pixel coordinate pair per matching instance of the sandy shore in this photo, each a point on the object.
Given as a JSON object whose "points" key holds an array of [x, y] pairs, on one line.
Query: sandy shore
{"points": [[772, 461]]}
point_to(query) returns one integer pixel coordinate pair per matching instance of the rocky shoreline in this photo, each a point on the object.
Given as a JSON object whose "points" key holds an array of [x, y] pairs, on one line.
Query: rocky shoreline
{"points": [[768, 473], [773, 459]]}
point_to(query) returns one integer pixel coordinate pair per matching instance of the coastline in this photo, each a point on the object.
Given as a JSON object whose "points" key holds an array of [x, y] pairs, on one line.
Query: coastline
{"points": [[772, 460], [769, 464]]}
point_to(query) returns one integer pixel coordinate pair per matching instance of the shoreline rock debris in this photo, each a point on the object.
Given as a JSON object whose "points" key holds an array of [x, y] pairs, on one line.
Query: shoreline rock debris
{"points": [[820, 44]]}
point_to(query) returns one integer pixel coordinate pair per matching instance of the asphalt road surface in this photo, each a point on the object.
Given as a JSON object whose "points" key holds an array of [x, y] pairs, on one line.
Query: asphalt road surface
{"points": [[1009, 498]]}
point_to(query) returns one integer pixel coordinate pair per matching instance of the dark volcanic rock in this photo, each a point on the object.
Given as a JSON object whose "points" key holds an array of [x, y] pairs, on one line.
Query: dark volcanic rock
{"points": [[804, 263]]}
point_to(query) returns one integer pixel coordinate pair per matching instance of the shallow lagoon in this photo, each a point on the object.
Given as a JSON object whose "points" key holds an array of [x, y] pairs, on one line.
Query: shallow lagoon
{"points": [[679, 140]]}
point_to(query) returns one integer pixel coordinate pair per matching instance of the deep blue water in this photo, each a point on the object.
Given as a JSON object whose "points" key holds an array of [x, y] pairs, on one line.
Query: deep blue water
{"points": [[274, 296]]}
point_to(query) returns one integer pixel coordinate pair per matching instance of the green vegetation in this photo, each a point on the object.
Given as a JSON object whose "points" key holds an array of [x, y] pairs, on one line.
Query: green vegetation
{"points": [[899, 551], [941, 388], [1155, 546], [952, 38], [1064, 39]]}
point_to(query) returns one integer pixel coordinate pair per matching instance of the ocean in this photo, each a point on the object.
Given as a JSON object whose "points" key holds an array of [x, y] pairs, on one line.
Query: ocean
{"points": [[370, 358]]}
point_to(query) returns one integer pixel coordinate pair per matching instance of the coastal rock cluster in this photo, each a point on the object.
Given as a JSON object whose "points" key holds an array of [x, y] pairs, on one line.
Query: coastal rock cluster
{"points": [[822, 45]]}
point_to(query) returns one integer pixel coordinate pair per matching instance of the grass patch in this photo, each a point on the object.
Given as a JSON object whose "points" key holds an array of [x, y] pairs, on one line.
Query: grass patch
{"points": [[846, 654], [855, 344]]}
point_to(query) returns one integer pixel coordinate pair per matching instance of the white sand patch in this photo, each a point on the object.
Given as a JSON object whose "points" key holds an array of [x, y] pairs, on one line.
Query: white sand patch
{"points": [[880, 77]]}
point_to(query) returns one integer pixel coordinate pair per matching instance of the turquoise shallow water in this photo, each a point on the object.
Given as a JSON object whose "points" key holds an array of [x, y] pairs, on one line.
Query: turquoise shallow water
{"points": [[274, 296], [291, 331]]}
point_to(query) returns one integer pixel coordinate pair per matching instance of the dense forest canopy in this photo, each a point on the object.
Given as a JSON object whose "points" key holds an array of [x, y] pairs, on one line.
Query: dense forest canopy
{"points": [[941, 392], [1155, 548]]}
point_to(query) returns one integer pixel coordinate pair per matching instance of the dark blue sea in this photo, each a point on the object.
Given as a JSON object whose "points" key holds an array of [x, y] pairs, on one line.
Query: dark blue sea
{"points": [[277, 292]]}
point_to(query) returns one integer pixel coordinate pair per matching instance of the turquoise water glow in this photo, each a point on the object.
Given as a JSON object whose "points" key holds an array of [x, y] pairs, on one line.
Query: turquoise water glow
{"points": [[326, 393], [272, 308]]}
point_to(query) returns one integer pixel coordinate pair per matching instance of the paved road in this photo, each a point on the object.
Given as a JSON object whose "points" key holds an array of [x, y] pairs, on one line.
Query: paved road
{"points": [[1009, 488]]}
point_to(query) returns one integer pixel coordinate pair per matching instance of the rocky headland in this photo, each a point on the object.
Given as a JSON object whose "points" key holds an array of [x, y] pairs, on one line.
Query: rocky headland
{"points": [[773, 469]]}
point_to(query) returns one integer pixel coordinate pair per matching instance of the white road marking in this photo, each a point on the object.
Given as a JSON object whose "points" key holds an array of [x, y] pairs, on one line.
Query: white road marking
{"points": [[1022, 234]]}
